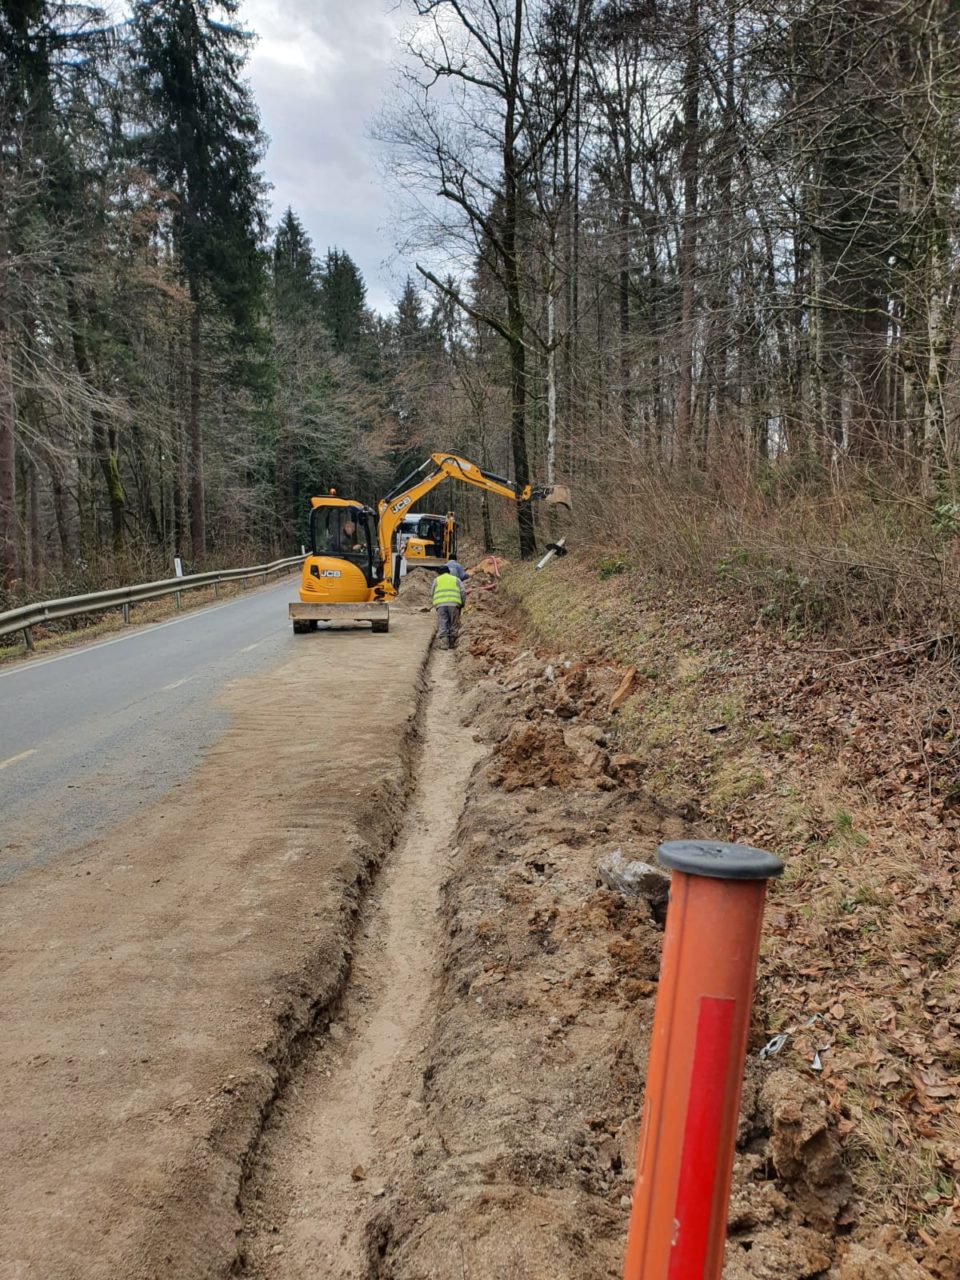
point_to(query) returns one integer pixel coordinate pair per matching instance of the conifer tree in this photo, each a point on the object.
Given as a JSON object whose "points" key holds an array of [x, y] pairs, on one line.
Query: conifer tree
{"points": [[295, 277], [202, 140], [342, 296]]}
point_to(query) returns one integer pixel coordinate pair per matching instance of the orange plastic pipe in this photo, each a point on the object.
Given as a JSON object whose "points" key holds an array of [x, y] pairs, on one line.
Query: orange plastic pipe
{"points": [[678, 1220]]}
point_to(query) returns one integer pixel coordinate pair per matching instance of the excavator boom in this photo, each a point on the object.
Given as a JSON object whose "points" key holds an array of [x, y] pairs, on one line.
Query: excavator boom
{"points": [[448, 466]]}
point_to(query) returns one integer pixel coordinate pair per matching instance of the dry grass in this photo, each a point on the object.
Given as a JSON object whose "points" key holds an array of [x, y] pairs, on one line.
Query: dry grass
{"points": [[795, 547]]}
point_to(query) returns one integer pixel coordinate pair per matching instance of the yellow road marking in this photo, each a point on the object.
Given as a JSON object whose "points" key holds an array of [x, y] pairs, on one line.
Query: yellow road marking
{"points": [[13, 759]]}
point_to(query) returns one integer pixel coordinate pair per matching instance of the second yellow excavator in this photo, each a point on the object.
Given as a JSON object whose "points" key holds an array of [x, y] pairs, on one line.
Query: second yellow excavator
{"points": [[352, 572], [426, 538]]}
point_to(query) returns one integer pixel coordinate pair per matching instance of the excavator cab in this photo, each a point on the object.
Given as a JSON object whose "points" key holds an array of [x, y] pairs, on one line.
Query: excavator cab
{"points": [[347, 532], [427, 539]]}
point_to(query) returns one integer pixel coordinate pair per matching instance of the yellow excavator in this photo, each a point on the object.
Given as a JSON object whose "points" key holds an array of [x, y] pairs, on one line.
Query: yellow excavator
{"points": [[427, 539], [352, 572]]}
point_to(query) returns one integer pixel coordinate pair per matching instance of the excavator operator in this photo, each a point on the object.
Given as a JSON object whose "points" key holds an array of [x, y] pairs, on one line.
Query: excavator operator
{"points": [[348, 537]]}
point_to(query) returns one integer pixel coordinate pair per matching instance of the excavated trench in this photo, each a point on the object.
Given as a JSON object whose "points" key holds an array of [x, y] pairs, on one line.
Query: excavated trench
{"points": [[322, 1156]]}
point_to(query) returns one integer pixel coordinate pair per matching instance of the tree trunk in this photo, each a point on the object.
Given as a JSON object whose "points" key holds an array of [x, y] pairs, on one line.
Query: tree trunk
{"points": [[570, 208], [67, 550], [655, 442], [623, 297], [688, 238], [725, 298], [198, 532], [34, 535], [484, 496], [180, 488], [179, 397], [933, 452], [515, 315], [9, 559], [867, 317], [105, 446], [551, 478], [104, 436]]}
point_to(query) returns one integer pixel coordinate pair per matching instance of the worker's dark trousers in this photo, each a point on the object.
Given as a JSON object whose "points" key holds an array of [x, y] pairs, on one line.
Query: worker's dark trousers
{"points": [[448, 620]]}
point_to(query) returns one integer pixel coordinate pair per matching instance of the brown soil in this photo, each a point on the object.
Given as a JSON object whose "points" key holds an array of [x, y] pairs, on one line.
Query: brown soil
{"points": [[840, 752], [518, 1162], [154, 988]]}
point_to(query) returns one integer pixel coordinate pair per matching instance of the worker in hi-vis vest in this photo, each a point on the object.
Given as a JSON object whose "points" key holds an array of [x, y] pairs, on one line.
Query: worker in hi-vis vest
{"points": [[449, 598]]}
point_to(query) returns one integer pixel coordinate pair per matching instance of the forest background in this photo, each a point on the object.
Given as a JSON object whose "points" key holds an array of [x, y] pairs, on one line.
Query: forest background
{"points": [[697, 259]]}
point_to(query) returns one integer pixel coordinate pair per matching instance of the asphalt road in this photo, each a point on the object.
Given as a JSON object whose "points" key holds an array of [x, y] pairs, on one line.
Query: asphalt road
{"points": [[91, 735]]}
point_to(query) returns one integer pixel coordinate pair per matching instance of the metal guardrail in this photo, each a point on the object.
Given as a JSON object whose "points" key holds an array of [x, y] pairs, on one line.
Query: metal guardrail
{"points": [[29, 615]]}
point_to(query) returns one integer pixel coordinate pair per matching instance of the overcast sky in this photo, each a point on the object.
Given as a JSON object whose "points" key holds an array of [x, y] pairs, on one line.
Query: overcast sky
{"points": [[320, 72]]}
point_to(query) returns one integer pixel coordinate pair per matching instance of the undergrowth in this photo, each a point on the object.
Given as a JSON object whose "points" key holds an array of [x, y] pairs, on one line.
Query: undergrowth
{"points": [[795, 548]]}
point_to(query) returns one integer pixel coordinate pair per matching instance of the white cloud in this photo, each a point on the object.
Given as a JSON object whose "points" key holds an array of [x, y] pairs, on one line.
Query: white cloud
{"points": [[320, 71]]}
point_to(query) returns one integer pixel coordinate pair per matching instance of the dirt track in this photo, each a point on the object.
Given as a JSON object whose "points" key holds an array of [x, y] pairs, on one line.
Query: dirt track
{"points": [[153, 989]]}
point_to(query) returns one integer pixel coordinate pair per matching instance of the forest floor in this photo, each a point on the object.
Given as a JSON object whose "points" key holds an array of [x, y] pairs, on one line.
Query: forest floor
{"points": [[388, 1026], [842, 757]]}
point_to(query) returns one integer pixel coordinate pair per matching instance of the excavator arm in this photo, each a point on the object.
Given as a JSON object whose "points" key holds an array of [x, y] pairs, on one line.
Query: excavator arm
{"points": [[447, 466]]}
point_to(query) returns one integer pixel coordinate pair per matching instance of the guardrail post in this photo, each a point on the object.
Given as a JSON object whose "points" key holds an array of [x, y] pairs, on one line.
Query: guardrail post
{"points": [[126, 613], [263, 579], [216, 590], [28, 638], [678, 1220], [176, 596]]}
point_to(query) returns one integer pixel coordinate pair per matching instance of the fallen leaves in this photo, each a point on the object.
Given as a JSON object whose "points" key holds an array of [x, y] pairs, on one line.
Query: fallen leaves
{"points": [[846, 762]]}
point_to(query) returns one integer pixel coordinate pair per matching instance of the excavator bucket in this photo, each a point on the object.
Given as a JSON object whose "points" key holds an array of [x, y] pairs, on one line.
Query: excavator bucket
{"points": [[559, 496]]}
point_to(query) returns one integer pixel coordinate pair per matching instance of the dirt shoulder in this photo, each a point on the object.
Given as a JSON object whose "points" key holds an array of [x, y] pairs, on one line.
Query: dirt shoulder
{"points": [[154, 987], [326, 1154]]}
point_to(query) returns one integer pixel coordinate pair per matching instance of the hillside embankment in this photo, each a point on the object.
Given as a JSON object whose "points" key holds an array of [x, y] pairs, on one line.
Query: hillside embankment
{"points": [[518, 1160]]}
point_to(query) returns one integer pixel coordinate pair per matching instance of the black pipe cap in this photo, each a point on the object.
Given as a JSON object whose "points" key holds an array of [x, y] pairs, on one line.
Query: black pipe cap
{"points": [[718, 860]]}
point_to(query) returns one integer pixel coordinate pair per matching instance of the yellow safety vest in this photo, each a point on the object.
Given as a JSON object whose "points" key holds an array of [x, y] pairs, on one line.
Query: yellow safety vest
{"points": [[446, 589]]}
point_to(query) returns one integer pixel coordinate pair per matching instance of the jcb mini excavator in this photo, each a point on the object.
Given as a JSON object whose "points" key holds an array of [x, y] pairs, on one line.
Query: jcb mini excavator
{"points": [[428, 540], [351, 573]]}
